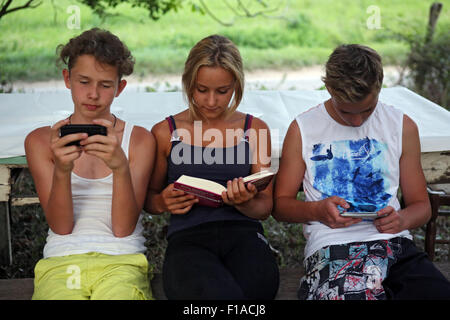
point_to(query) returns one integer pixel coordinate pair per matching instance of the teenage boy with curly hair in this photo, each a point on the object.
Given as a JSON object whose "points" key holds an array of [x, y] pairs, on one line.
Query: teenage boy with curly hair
{"points": [[92, 194]]}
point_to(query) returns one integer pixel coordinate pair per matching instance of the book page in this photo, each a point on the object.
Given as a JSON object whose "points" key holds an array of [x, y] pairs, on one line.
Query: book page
{"points": [[258, 175], [202, 184]]}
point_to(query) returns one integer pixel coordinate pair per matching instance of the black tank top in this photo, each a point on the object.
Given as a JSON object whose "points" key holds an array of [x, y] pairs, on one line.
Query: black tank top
{"points": [[216, 164]]}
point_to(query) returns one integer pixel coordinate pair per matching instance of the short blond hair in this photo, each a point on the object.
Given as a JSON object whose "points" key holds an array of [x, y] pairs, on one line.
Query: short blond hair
{"points": [[213, 51], [353, 71]]}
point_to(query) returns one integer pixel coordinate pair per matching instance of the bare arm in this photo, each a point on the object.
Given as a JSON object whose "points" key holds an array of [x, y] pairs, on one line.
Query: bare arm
{"points": [[289, 179], [130, 177], [417, 209], [50, 164], [249, 201], [162, 198], [141, 161]]}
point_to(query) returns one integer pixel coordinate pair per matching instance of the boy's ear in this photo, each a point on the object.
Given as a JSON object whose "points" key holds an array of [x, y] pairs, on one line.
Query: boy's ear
{"points": [[66, 76], [122, 85]]}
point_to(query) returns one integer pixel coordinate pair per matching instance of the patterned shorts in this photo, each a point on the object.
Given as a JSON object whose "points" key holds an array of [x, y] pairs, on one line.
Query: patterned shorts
{"points": [[349, 271]]}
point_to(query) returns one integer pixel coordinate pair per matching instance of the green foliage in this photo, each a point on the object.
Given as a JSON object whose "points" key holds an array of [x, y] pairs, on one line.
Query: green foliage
{"points": [[155, 232], [286, 240], [426, 68], [429, 65], [301, 36], [5, 86], [156, 8]]}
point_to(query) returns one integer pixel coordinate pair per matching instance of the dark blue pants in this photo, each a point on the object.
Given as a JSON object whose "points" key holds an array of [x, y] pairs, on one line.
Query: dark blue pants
{"points": [[225, 260], [414, 276]]}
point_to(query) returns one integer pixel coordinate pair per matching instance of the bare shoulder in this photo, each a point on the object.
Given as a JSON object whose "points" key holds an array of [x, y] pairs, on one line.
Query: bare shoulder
{"points": [[409, 126], [37, 146], [257, 123], [292, 144], [161, 130], [38, 138], [293, 131], [410, 138], [142, 144], [141, 136]]}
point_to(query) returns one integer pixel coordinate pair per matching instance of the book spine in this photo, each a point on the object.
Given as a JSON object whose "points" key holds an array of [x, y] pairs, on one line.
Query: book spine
{"points": [[206, 198], [260, 184]]}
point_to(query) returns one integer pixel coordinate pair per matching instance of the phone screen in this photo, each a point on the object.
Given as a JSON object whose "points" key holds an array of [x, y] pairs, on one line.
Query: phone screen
{"points": [[90, 129]]}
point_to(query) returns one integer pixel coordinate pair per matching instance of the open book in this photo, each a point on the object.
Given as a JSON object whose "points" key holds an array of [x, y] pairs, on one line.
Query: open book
{"points": [[209, 193]]}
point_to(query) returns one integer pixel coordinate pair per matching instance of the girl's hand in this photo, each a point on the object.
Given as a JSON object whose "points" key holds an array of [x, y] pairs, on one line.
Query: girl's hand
{"points": [[237, 193], [176, 201], [107, 147], [64, 156]]}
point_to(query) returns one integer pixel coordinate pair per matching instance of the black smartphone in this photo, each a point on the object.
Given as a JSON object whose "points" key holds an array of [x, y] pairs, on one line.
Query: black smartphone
{"points": [[90, 129]]}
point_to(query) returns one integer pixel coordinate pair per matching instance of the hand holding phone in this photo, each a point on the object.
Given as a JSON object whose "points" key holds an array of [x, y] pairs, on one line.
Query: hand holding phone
{"points": [[90, 129], [362, 215]]}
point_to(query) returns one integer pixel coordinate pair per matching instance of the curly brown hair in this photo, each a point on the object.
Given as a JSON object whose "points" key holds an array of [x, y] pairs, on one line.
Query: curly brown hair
{"points": [[103, 45], [352, 72]]}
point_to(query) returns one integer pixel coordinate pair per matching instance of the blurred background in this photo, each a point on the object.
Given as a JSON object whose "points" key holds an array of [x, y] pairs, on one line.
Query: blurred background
{"points": [[280, 40], [284, 45]]}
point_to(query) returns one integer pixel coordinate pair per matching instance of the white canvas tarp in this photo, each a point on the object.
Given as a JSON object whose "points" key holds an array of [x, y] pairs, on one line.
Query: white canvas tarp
{"points": [[23, 112]]}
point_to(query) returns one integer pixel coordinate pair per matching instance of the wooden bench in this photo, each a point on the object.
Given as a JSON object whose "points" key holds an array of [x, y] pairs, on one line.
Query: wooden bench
{"points": [[22, 289], [439, 195]]}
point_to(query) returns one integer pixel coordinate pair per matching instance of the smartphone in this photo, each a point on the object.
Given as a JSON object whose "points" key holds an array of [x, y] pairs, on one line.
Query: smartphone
{"points": [[362, 215], [90, 129]]}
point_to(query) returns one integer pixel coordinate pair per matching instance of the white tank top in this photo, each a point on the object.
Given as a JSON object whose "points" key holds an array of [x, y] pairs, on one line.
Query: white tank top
{"points": [[92, 232], [358, 164]]}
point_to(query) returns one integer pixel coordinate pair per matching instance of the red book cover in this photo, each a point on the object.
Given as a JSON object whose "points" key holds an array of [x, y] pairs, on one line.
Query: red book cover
{"points": [[205, 197], [209, 192]]}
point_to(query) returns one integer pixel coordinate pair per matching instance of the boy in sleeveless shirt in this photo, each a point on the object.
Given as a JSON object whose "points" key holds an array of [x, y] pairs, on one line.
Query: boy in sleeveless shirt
{"points": [[352, 153], [92, 194]]}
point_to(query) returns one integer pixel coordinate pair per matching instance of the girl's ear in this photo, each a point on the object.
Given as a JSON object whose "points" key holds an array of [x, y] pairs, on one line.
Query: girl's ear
{"points": [[66, 76]]}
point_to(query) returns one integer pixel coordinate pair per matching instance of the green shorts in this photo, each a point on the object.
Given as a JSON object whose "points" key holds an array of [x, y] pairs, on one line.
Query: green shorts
{"points": [[93, 276]]}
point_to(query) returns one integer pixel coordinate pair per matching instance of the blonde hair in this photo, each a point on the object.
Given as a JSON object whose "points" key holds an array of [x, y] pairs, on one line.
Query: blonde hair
{"points": [[352, 72], [213, 51]]}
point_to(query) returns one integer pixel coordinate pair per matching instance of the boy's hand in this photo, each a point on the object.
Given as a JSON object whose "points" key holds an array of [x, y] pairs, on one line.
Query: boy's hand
{"points": [[329, 214], [107, 147], [176, 201], [64, 156], [390, 221], [237, 193]]}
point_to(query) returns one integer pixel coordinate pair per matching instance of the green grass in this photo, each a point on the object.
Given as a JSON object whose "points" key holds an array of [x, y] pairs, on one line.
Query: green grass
{"points": [[305, 35]]}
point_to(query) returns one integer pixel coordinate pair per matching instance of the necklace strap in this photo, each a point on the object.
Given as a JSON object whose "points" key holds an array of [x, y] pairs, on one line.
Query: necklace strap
{"points": [[115, 120], [114, 124]]}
